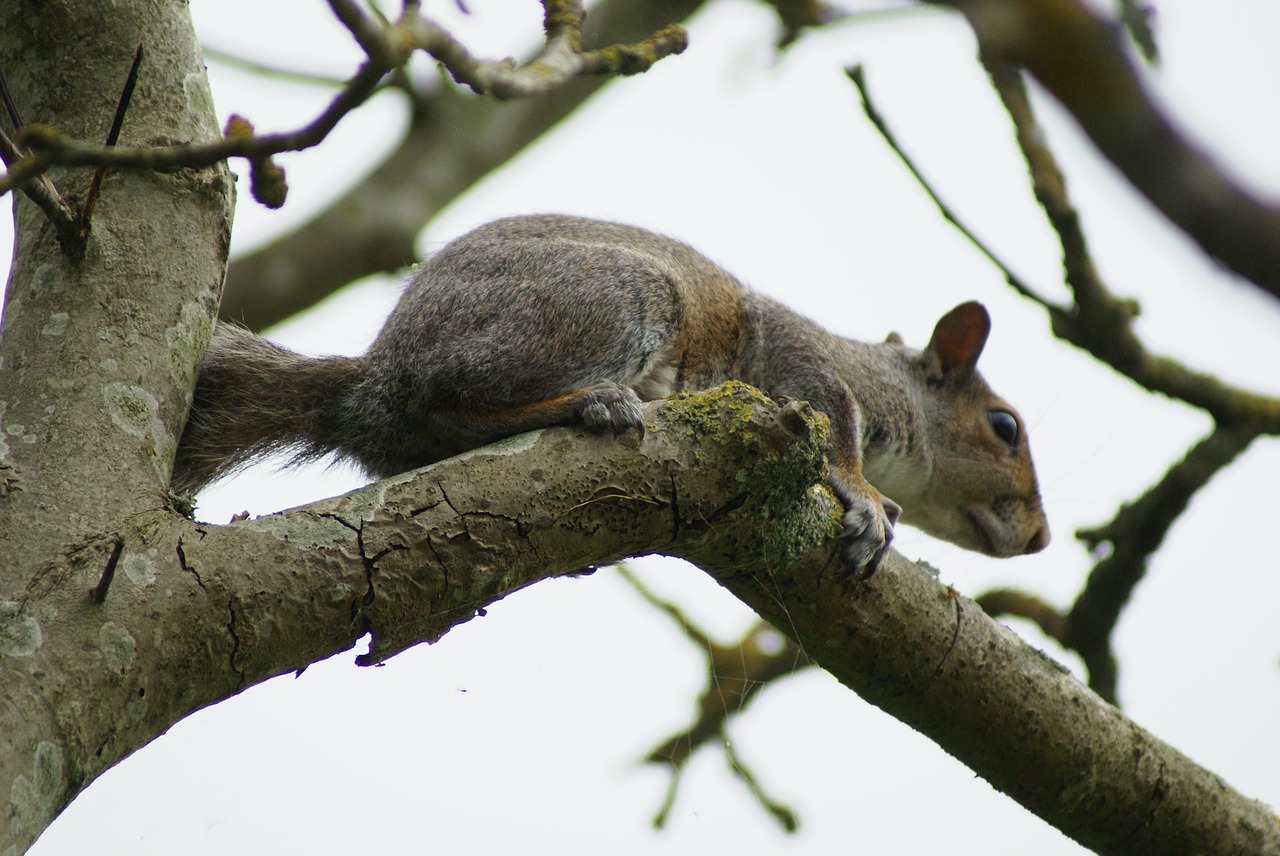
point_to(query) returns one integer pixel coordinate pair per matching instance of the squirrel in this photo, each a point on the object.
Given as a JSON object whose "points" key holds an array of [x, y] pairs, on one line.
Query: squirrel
{"points": [[535, 321]]}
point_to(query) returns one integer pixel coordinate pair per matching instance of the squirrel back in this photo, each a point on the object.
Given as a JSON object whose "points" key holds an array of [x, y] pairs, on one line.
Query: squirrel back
{"points": [[530, 322]]}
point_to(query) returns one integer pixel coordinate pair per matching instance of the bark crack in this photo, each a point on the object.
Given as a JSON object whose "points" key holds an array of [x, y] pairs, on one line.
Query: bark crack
{"points": [[370, 564], [954, 597], [445, 496], [444, 569], [1159, 789], [709, 520], [182, 563]]}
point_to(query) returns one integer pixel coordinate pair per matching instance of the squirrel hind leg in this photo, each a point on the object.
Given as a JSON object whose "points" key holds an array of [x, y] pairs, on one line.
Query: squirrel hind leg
{"points": [[600, 407]]}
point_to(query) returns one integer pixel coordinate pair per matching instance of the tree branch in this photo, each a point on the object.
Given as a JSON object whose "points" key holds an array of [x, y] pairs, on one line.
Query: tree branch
{"points": [[197, 613], [388, 45], [39, 189], [724, 479], [1098, 321], [1132, 536], [872, 112], [372, 228], [1130, 539], [561, 58], [1101, 323], [1081, 59], [735, 674]]}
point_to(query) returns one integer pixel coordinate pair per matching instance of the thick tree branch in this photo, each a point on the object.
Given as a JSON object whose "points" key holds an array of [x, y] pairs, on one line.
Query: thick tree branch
{"points": [[932, 659], [726, 480], [196, 613], [99, 352], [40, 190]]}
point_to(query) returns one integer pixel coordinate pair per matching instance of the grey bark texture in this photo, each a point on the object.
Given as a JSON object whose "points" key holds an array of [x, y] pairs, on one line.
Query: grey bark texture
{"points": [[118, 616], [97, 360]]}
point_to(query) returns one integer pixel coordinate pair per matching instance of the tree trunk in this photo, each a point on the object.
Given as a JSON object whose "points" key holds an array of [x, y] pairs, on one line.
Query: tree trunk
{"points": [[96, 369]]}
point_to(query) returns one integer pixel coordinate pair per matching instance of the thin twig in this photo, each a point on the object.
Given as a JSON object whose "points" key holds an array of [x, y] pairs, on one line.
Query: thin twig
{"points": [[796, 16], [27, 171], [1099, 322], [113, 135], [263, 69], [1136, 17], [9, 106], [1020, 604], [388, 46], [367, 32], [442, 120], [735, 673], [1082, 59], [1130, 539], [784, 814], [856, 75], [99, 592], [560, 60], [55, 148], [9, 150]]}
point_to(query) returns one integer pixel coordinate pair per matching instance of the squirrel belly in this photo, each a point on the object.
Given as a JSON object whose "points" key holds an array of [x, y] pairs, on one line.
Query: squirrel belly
{"points": [[537, 321]]}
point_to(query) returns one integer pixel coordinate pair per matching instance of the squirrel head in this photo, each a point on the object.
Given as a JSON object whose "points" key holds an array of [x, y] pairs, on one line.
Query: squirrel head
{"points": [[969, 478]]}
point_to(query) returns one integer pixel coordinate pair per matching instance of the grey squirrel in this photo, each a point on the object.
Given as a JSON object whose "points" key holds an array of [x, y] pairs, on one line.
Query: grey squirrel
{"points": [[535, 321]]}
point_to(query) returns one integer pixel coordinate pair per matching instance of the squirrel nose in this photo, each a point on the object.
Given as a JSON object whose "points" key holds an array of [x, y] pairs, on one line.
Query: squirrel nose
{"points": [[1038, 541]]}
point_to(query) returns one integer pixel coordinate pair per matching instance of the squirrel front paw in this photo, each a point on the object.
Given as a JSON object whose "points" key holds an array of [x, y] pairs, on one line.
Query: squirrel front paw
{"points": [[869, 518], [611, 406]]}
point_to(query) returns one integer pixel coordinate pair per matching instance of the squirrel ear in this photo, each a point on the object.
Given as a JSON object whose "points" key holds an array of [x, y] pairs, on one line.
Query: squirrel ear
{"points": [[894, 338], [959, 337]]}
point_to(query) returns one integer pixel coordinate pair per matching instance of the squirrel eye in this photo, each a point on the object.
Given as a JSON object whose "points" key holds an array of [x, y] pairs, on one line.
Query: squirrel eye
{"points": [[1005, 424]]}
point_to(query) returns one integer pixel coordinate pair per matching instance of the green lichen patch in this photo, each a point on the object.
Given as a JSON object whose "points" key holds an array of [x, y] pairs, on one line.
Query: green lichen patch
{"points": [[723, 413], [788, 479]]}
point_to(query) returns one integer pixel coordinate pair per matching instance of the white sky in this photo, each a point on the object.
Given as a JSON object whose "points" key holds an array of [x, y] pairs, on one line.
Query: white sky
{"points": [[519, 732]]}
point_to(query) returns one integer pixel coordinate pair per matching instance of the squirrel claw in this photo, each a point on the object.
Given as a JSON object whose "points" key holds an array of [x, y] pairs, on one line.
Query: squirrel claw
{"points": [[612, 407], [868, 571], [868, 532]]}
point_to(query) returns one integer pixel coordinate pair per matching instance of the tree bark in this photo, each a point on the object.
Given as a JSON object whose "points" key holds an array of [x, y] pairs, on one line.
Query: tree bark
{"points": [[1081, 58], [97, 363], [726, 479], [98, 356]]}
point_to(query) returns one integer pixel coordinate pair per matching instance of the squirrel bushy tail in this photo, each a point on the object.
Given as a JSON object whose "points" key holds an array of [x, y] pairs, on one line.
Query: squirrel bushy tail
{"points": [[254, 398]]}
